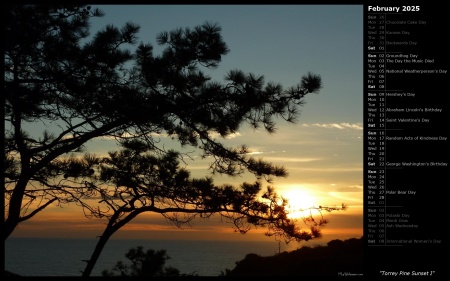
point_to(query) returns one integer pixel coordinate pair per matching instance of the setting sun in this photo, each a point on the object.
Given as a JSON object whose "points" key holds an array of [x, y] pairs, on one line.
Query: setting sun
{"points": [[298, 201]]}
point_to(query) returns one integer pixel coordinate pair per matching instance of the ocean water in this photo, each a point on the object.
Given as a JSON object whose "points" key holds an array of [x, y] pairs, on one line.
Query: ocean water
{"points": [[63, 257]]}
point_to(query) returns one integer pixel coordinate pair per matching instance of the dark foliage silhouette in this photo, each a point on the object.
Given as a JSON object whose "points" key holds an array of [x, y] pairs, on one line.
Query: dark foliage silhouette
{"points": [[82, 88], [145, 264], [135, 180]]}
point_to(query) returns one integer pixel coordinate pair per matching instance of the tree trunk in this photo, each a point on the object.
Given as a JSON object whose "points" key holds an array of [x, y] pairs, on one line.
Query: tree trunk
{"points": [[15, 206], [109, 231]]}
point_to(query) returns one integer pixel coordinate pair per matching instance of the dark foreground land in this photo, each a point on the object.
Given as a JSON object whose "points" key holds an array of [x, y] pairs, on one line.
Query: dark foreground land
{"points": [[338, 258]]}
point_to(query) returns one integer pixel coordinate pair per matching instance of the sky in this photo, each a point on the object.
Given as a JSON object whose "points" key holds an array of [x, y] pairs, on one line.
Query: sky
{"points": [[322, 152]]}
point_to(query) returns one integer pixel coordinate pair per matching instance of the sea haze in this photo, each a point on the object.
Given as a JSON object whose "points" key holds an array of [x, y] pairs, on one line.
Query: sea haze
{"points": [[63, 257]]}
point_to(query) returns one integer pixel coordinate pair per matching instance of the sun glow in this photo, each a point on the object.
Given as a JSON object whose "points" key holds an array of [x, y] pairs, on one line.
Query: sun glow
{"points": [[299, 202]]}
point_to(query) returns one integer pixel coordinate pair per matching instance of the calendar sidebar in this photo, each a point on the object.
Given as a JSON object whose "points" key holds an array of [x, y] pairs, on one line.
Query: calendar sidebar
{"points": [[405, 140]]}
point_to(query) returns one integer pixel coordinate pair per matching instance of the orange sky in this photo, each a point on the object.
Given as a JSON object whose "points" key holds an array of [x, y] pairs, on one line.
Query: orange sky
{"points": [[70, 223], [324, 166]]}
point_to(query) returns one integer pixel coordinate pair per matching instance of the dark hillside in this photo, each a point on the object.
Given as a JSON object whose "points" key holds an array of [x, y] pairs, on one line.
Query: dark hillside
{"points": [[337, 258]]}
